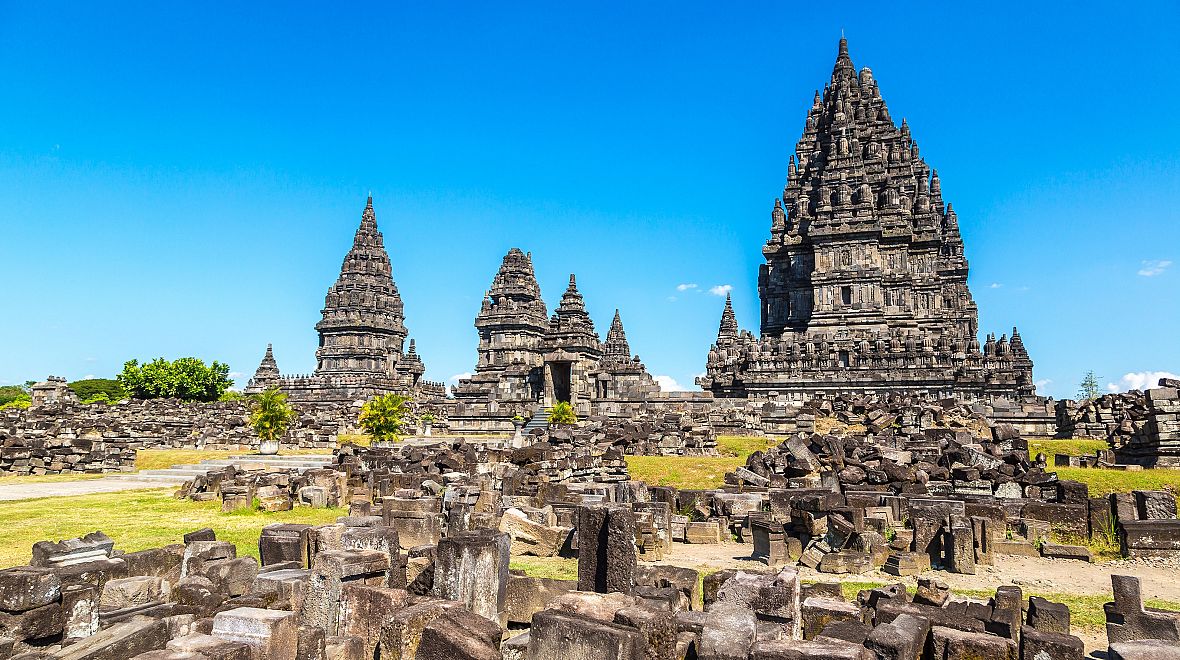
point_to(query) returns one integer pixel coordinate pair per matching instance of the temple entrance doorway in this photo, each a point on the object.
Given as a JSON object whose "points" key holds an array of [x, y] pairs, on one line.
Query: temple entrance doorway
{"points": [[561, 380]]}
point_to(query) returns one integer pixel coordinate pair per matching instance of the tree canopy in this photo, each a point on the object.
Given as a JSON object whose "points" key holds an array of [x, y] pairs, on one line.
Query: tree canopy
{"points": [[98, 389], [188, 379]]}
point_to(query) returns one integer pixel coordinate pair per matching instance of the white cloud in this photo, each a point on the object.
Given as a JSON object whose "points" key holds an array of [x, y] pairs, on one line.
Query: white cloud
{"points": [[458, 377], [1044, 382], [232, 374], [1139, 380], [669, 384], [91, 377], [721, 289], [685, 287], [995, 285], [1153, 267], [92, 359]]}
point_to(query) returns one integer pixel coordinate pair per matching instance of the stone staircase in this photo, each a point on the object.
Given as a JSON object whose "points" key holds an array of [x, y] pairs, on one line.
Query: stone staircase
{"points": [[180, 473], [539, 421]]}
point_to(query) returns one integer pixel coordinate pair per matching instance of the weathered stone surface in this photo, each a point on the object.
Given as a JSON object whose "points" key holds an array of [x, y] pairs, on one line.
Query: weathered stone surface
{"points": [[120, 641], [27, 587], [272, 634], [606, 549], [472, 568], [557, 634]]}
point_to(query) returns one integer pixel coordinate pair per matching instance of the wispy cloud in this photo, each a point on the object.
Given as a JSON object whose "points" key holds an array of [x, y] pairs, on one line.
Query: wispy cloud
{"points": [[1153, 267], [1139, 380], [685, 287], [233, 374], [1044, 382], [721, 289], [669, 384], [995, 285], [458, 377], [92, 376]]}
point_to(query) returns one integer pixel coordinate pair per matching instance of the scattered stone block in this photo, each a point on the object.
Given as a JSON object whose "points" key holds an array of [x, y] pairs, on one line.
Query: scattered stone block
{"points": [[272, 634]]}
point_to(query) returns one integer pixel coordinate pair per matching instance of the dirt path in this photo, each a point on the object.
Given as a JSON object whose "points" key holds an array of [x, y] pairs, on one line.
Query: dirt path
{"points": [[11, 492]]}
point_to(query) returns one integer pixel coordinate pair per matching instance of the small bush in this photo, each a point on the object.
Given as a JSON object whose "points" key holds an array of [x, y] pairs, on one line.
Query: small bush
{"points": [[562, 413]]}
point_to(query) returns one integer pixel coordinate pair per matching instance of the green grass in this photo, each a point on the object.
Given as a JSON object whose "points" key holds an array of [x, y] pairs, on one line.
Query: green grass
{"points": [[557, 568], [1074, 447], [692, 472], [135, 520], [1103, 481], [742, 446]]}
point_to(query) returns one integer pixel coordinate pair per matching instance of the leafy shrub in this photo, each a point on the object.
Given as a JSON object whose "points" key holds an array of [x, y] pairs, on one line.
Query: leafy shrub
{"points": [[387, 417], [562, 413], [271, 415], [187, 379]]}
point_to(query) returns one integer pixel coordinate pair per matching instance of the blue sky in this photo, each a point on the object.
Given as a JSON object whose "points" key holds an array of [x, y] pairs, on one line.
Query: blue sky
{"points": [[185, 179]]}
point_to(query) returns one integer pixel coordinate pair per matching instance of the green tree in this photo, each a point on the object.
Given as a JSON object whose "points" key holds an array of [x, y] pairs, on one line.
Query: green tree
{"points": [[387, 417], [1088, 390], [89, 389], [10, 393], [562, 413], [271, 415], [187, 379]]}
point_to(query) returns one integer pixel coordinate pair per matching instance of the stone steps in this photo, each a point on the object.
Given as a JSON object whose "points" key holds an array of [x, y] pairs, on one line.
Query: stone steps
{"points": [[539, 421]]}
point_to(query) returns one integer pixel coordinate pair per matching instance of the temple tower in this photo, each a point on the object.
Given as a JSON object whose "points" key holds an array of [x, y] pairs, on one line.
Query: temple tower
{"points": [[363, 329], [266, 376], [865, 282]]}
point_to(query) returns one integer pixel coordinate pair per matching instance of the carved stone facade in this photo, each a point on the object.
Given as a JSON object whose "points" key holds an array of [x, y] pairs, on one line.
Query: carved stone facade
{"points": [[864, 288], [362, 349], [527, 362]]}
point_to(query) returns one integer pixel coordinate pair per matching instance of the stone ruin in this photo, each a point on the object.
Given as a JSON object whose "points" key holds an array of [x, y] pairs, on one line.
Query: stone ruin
{"points": [[362, 335], [62, 436], [1142, 428], [420, 569]]}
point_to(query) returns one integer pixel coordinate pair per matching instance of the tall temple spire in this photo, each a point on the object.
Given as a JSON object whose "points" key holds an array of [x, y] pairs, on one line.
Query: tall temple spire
{"points": [[267, 375], [729, 325], [616, 339], [363, 327]]}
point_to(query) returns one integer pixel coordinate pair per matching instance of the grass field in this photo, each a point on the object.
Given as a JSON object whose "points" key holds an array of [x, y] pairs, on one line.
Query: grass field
{"points": [[1074, 447], [136, 520], [694, 472]]}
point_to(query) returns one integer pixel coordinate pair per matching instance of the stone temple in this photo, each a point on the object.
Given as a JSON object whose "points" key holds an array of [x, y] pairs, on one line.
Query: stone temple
{"points": [[864, 288], [362, 349], [529, 359], [864, 291]]}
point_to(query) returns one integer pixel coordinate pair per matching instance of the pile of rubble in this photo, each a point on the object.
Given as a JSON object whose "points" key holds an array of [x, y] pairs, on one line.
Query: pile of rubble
{"points": [[63, 436], [653, 434], [361, 588], [941, 498], [1142, 428], [268, 489]]}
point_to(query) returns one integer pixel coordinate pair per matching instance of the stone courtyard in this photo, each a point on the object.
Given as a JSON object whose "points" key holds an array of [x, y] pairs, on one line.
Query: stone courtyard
{"points": [[888, 514]]}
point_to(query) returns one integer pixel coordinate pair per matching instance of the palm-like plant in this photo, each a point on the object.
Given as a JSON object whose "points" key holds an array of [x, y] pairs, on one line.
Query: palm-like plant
{"points": [[387, 417], [562, 413], [270, 417]]}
